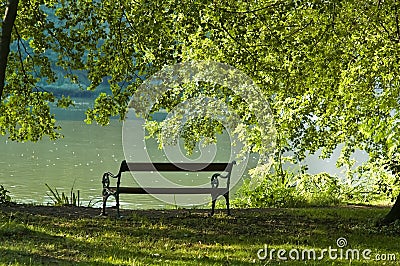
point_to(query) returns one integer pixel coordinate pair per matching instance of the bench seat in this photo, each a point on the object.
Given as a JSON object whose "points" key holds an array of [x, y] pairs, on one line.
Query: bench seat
{"points": [[152, 190]]}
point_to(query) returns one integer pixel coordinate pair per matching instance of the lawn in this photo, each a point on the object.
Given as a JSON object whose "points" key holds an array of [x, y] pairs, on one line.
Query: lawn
{"points": [[45, 235]]}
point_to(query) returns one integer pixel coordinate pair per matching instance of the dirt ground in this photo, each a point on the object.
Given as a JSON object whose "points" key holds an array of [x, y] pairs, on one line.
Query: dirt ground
{"points": [[74, 212]]}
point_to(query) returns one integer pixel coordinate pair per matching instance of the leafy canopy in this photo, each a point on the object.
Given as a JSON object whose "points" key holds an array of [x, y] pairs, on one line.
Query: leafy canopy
{"points": [[328, 68]]}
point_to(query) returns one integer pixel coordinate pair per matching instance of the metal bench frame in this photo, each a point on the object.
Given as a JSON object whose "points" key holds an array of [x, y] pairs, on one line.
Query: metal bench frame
{"points": [[215, 191]]}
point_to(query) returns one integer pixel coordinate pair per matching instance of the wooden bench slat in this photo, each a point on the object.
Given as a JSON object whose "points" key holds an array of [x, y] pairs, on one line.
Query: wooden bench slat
{"points": [[178, 167], [151, 190]]}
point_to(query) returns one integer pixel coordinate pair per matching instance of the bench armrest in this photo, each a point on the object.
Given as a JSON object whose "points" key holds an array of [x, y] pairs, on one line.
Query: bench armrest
{"points": [[106, 179], [215, 181]]}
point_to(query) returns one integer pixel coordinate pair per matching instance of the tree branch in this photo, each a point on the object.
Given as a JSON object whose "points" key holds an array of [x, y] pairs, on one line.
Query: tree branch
{"points": [[240, 44], [249, 11], [8, 24], [397, 23]]}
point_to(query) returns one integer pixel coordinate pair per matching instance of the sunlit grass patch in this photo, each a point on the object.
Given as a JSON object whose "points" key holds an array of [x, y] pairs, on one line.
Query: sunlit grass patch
{"points": [[189, 237]]}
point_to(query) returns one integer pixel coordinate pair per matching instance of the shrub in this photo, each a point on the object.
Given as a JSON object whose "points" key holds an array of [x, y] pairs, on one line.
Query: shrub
{"points": [[4, 198], [320, 189], [270, 191], [288, 190]]}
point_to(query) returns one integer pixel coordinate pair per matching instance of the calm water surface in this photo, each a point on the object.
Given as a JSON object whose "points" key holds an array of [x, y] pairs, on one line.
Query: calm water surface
{"points": [[76, 161], [79, 160]]}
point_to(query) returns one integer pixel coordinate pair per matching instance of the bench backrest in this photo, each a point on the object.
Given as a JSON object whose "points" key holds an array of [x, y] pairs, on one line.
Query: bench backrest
{"points": [[177, 167]]}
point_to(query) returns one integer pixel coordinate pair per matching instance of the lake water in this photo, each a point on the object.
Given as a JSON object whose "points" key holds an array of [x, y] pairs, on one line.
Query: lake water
{"points": [[79, 160], [76, 161]]}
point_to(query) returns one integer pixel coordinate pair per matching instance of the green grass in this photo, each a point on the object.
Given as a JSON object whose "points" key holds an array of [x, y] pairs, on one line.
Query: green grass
{"points": [[189, 237]]}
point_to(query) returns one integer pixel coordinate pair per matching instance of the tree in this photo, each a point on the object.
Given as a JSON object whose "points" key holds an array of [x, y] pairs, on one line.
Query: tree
{"points": [[329, 69]]}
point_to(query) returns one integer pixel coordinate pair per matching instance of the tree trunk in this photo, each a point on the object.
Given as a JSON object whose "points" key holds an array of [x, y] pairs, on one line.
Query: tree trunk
{"points": [[394, 213], [6, 29]]}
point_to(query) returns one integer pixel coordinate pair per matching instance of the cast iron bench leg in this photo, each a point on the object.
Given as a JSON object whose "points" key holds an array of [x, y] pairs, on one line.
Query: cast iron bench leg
{"points": [[214, 200], [103, 211], [226, 195], [117, 200]]}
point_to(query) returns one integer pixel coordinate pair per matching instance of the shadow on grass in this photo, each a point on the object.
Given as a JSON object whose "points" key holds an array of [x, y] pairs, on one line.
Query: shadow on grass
{"points": [[23, 245], [90, 243], [188, 237]]}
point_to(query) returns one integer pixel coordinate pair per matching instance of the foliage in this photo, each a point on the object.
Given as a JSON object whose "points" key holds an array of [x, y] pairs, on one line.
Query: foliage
{"points": [[294, 191], [320, 189], [376, 179], [301, 190], [267, 194], [63, 200], [328, 68], [4, 197]]}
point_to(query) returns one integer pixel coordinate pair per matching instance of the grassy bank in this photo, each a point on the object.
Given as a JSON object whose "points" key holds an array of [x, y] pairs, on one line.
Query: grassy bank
{"points": [[33, 235]]}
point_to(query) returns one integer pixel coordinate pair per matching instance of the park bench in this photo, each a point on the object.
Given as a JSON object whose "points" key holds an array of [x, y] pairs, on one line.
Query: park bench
{"points": [[215, 191]]}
